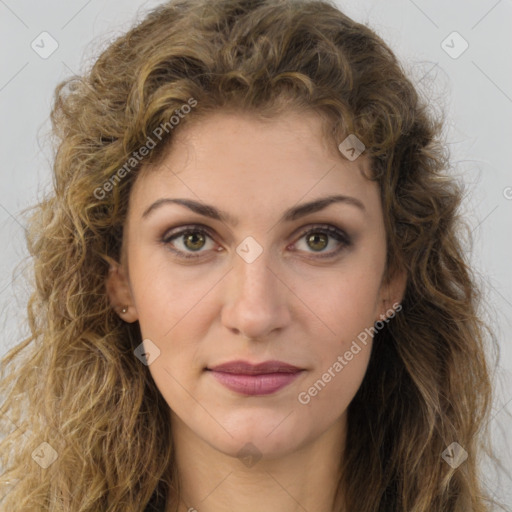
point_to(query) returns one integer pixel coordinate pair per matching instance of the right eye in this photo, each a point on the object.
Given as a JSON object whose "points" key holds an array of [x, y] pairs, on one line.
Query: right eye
{"points": [[192, 239]]}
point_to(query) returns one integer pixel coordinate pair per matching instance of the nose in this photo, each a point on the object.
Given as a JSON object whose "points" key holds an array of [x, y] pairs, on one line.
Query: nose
{"points": [[256, 303]]}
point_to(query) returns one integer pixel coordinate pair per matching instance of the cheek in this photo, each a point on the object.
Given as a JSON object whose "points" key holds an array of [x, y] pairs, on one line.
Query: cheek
{"points": [[341, 359], [329, 391], [349, 304], [175, 313], [168, 298], [346, 301], [356, 303]]}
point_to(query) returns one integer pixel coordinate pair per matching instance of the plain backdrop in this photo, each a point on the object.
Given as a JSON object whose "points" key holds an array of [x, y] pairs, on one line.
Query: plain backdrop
{"points": [[457, 53]]}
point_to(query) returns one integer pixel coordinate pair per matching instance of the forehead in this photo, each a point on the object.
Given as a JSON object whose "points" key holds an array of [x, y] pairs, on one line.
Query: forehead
{"points": [[243, 160]]}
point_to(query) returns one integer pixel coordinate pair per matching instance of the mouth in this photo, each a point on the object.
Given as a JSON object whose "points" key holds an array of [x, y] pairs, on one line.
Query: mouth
{"points": [[255, 379]]}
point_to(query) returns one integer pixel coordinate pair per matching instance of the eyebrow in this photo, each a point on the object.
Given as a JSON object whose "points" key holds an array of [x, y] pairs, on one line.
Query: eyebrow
{"points": [[291, 214]]}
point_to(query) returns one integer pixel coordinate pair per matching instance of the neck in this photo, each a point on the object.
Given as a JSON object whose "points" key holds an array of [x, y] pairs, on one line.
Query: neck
{"points": [[304, 479]]}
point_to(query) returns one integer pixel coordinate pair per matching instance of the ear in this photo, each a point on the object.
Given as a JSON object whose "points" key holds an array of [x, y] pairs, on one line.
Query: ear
{"points": [[392, 292], [119, 292]]}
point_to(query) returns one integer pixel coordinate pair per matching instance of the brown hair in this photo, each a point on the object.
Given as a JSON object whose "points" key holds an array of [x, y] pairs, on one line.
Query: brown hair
{"points": [[77, 384]]}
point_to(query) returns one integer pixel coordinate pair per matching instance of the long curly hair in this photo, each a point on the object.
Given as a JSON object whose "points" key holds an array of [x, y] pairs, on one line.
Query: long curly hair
{"points": [[74, 389]]}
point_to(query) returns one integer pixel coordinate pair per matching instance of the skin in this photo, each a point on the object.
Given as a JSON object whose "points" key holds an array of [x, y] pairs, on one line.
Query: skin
{"points": [[288, 304]]}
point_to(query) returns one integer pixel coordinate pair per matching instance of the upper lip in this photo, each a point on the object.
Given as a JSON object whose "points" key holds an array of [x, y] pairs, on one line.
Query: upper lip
{"points": [[243, 367]]}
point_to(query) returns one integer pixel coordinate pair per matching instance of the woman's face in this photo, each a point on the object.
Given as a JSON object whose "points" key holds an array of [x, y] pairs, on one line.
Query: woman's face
{"points": [[255, 287]]}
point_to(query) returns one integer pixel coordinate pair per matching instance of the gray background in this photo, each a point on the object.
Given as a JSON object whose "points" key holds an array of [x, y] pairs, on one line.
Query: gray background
{"points": [[474, 87]]}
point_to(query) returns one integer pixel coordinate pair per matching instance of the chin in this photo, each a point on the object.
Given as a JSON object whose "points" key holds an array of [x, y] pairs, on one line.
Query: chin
{"points": [[268, 438]]}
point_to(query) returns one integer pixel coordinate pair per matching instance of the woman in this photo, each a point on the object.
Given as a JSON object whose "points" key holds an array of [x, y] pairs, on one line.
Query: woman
{"points": [[251, 292]]}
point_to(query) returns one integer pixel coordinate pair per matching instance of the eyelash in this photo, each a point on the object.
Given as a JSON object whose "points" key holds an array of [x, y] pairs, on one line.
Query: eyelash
{"points": [[332, 231]]}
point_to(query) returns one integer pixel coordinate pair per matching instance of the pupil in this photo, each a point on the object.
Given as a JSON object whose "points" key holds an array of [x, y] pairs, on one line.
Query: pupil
{"points": [[315, 237], [191, 237]]}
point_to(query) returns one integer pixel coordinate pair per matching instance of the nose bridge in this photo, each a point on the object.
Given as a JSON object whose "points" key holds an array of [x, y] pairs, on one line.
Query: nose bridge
{"points": [[255, 305], [254, 279]]}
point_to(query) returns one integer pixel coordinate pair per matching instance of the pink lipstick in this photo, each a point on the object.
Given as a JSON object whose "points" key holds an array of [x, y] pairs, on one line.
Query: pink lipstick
{"points": [[255, 379]]}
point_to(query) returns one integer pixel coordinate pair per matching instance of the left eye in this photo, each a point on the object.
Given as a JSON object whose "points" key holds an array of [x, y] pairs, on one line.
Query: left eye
{"points": [[193, 239]]}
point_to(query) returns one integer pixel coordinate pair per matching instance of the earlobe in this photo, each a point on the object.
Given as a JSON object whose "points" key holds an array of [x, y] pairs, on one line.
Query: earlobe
{"points": [[119, 293]]}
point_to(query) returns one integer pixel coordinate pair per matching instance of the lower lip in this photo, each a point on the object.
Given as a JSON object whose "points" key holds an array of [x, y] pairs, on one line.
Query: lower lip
{"points": [[263, 384]]}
